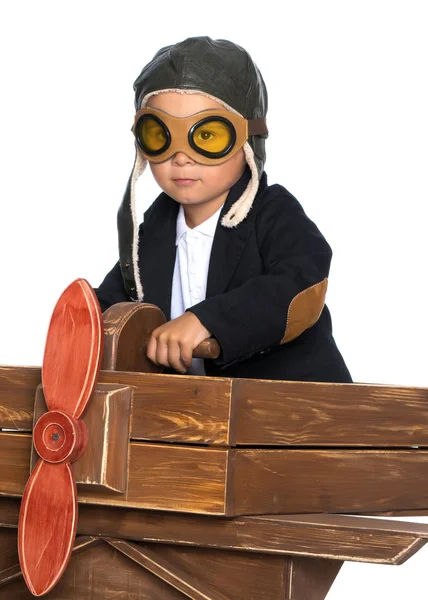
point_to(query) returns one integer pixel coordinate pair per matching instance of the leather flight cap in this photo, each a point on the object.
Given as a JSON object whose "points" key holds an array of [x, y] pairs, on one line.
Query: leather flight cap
{"points": [[219, 68]]}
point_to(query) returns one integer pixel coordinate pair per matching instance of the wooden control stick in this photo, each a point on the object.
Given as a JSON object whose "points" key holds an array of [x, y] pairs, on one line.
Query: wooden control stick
{"points": [[128, 327]]}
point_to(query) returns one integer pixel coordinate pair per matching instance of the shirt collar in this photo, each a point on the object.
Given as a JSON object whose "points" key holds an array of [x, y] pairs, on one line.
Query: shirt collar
{"points": [[208, 227]]}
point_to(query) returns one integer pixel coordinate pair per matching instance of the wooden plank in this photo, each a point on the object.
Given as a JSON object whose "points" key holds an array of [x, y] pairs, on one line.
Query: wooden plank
{"points": [[309, 579], [336, 481], [193, 573], [165, 477], [329, 414], [15, 452], [17, 390], [14, 572], [100, 573], [9, 575], [326, 536], [196, 410], [344, 537], [194, 479], [397, 513], [212, 574], [168, 477], [147, 558], [172, 408], [8, 549], [9, 512]]}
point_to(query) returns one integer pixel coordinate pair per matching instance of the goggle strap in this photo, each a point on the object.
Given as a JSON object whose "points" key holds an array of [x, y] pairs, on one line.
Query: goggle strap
{"points": [[257, 127]]}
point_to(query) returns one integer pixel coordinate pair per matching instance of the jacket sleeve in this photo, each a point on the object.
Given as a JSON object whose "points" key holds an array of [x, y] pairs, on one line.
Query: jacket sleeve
{"points": [[287, 298], [112, 290]]}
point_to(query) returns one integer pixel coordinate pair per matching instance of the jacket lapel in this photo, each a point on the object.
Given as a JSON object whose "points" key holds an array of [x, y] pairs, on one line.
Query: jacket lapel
{"points": [[157, 247], [157, 253], [229, 243]]}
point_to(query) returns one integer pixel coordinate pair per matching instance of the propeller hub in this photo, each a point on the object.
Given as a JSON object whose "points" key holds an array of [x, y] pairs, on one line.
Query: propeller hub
{"points": [[58, 437]]}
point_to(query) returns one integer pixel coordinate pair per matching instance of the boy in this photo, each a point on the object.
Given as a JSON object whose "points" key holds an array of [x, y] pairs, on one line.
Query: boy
{"points": [[220, 252]]}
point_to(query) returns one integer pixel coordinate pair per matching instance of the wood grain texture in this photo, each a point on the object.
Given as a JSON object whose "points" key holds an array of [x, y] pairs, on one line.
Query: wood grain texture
{"points": [[208, 349], [13, 572], [127, 330], [172, 477], [324, 414], [8, 549], [9, 512], [198, 573], [69, 376], [396, 513], [198, 410], [99, 572], [212, 574], [351, 481], [171, 408], [178, 478], [47, 525], [327, 536], [192, 479], [165, 477], [17, 388], [15, 452], [340, 537], [9, 575], [104, 464], [309, 579], [192, 410]]}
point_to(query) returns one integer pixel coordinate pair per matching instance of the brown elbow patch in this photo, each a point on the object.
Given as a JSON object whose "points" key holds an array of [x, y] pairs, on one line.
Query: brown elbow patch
{"points": [[305, 310]]}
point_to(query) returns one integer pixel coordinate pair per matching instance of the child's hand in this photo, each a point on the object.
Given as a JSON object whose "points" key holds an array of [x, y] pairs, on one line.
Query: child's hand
{"points": [[172, 344]]}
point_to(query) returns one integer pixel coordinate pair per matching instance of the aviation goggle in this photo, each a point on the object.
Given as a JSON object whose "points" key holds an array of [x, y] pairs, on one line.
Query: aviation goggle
{"points": [[208, 137]]}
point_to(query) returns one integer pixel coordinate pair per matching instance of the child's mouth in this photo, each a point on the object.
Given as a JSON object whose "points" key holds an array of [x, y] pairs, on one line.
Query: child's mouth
{"points": [[184, 181]]}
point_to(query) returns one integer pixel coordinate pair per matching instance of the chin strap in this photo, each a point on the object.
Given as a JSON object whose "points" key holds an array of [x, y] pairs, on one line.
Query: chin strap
{"points": [[240, 209]]}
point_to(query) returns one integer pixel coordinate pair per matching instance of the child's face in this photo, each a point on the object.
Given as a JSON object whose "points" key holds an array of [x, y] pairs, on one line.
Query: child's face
{"points": [[181, 177]]}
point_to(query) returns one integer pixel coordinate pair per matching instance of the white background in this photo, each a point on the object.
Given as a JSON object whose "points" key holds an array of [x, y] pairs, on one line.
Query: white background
{"points": [[348, 95]]}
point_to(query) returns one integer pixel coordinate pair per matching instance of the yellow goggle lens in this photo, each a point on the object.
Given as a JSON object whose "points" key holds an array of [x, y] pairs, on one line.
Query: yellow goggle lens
{"points": [[152, 134], [212, 136]]}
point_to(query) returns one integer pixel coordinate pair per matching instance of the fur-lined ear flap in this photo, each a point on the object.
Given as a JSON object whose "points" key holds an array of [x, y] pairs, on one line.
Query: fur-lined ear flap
{"points": [[241, 208], [128, 226]]}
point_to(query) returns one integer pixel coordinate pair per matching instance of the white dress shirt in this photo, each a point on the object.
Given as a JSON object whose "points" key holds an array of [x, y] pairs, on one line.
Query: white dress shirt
{"points": [[189, 283]]}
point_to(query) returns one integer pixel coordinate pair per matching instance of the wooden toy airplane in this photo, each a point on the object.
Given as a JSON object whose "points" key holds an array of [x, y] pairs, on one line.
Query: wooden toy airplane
{"points": [[207, 488]]}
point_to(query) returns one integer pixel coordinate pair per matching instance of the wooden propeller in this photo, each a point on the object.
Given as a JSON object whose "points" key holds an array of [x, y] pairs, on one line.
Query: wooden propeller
{"points": [[71, 363]]}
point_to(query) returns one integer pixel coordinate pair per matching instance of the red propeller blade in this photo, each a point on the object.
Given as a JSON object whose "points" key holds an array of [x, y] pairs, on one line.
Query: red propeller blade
{"points": [[47, 525], [71, 363], [73, 350]]}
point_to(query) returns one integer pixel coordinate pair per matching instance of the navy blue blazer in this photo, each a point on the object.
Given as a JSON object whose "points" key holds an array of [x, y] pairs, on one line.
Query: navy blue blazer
{"points": [[258, 274]]}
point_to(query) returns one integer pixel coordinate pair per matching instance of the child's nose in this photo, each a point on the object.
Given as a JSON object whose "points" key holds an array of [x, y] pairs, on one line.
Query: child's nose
{"points": [[181, 158]]}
